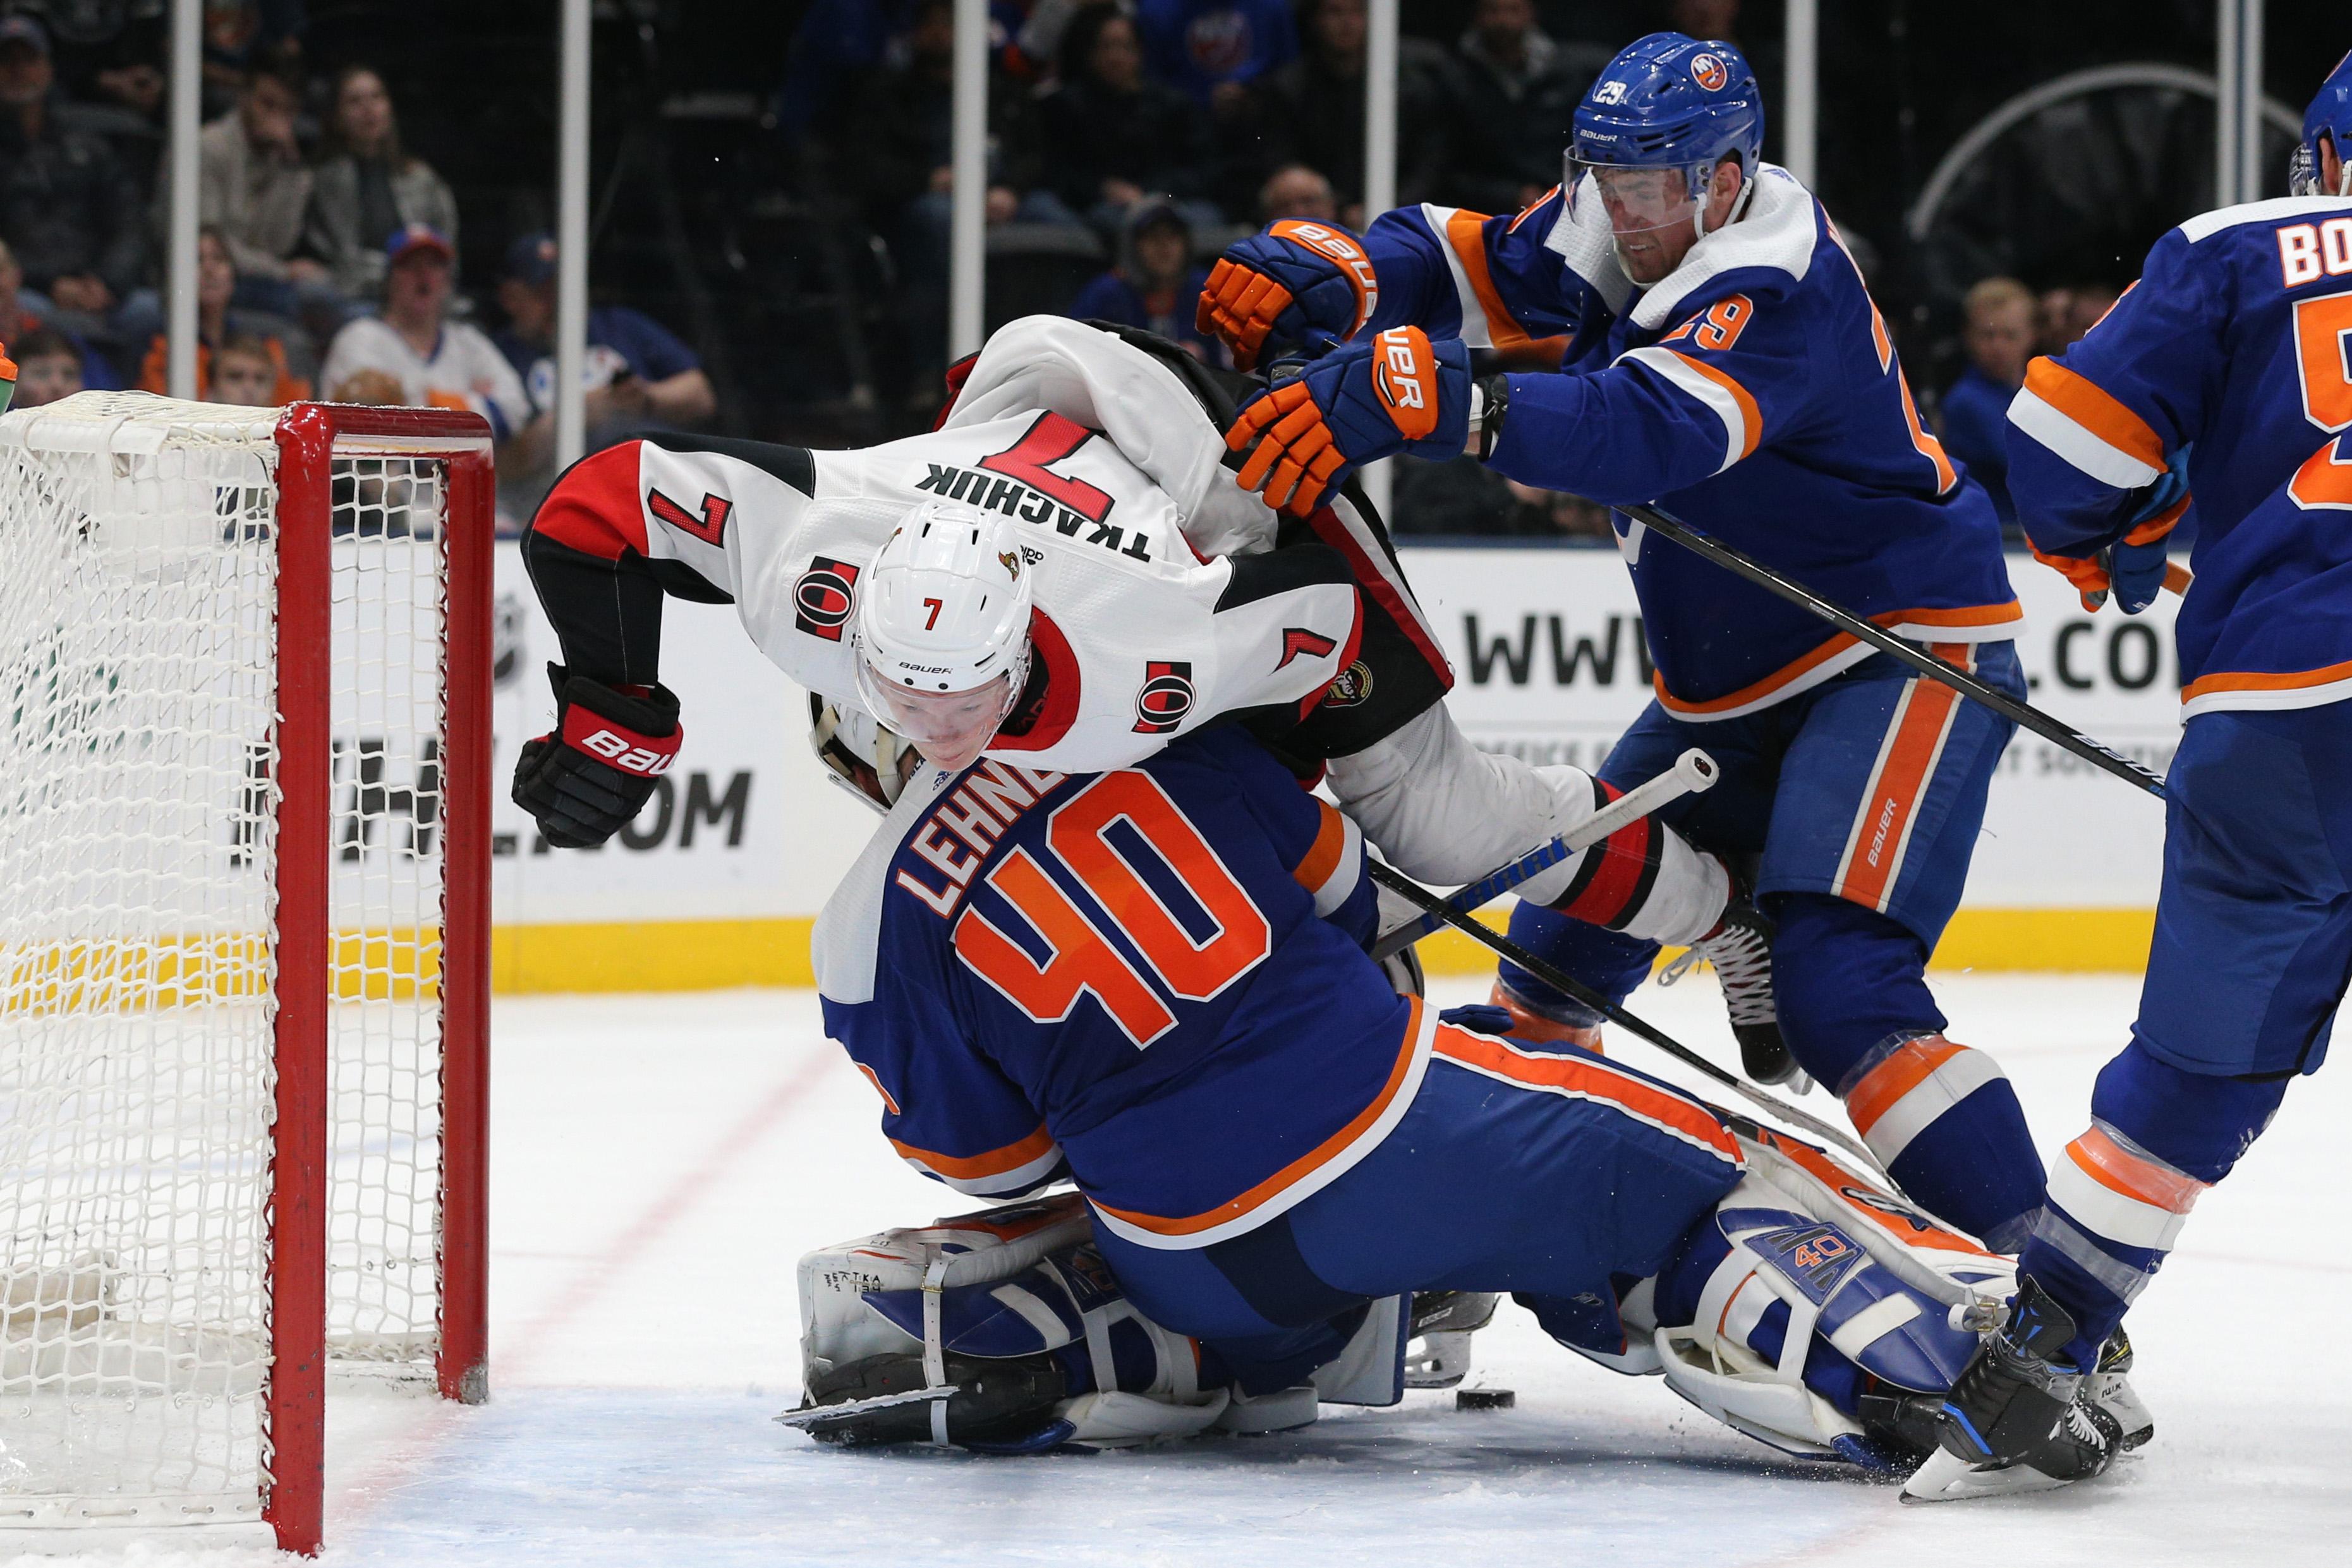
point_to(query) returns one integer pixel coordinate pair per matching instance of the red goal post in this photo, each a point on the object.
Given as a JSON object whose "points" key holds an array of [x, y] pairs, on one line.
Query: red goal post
{"points": [[244, 686]]}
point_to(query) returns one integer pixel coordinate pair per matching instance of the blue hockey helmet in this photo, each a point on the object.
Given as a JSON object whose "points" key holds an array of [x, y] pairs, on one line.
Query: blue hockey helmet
{"points": [[2330, 115], [1670, 101]]}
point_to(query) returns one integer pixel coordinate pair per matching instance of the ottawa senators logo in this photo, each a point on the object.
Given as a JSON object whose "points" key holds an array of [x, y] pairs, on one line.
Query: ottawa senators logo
{"points": [[1010, 563], [1710, 72], [1166, 698], [824, 597], [1353, 688]]}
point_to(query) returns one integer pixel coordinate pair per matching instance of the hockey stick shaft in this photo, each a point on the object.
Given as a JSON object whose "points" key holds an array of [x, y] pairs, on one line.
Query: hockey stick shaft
{"points": [[1694, 772], [1560, 980], [2022, 714]]}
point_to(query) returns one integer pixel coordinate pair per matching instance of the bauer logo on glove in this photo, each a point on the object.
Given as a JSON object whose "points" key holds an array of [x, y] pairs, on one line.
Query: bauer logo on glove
{"points": [[1404, 374], [1360, 402], [1310, 283]]}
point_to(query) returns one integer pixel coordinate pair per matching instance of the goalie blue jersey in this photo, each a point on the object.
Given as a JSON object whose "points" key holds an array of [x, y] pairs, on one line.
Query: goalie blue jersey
{"points": [[1754, 394], [2232, 356], [1152, 980]]}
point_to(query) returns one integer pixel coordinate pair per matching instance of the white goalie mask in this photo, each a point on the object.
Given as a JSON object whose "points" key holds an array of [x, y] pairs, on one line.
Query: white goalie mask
{"points": [[942, 629]]}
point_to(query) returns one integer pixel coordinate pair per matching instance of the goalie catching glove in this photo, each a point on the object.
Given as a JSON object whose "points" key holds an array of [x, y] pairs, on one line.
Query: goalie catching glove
{"points": [[1360, 402], [588, 777], [1309, 283]]}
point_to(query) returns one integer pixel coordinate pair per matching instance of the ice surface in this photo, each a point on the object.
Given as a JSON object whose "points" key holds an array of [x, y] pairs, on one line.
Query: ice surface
{"points": [[659, 1161]]}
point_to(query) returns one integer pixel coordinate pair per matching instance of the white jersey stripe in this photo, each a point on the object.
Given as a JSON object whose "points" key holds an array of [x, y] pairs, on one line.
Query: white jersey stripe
{"points": [[1476, 330], [2078, 445], [1677, 372]]}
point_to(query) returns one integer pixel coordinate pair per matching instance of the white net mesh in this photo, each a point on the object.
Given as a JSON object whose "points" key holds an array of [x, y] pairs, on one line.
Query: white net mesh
{"points": [[138, 839]]}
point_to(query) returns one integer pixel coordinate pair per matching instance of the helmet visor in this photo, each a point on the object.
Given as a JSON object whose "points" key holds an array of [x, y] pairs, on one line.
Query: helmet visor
{"points": [[1639, 200], [949, 728]]}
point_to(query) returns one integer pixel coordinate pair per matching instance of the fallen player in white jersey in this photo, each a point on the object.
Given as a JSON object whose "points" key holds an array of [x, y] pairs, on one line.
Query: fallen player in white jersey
{"points": [[1061, 576]]}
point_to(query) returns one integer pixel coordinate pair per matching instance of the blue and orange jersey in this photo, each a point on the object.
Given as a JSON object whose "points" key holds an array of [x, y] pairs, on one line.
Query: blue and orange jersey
{"points": [[1151, 980], [2231, 357], [1754, 394]]}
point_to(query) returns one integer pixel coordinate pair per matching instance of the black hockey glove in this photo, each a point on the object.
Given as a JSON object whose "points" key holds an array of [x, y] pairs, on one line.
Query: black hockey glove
{"points": [[587, 778]]}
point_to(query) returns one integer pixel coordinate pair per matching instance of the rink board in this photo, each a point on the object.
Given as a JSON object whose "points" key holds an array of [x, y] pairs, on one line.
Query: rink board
{"points": [[717, 881]]}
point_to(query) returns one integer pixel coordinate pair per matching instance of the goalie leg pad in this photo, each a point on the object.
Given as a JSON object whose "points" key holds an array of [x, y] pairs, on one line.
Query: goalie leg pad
{"points": [[1002, 1332], [1814, 1310]]}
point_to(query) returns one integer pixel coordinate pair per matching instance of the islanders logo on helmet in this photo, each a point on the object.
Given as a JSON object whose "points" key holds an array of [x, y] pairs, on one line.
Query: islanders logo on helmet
{"points": [[1710, 72]]}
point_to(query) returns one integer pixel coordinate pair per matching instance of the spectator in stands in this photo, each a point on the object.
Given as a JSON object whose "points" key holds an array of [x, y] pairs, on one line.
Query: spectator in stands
{"points": [[897, 155], [67, 206], [1116, 134], [2000, 338], [254, 186], [248, 373], [414, 354], [1295, 190], [109, 54], [23, 313], [366, 187], [837, 45], [1312, 107], [1211, 50], [2053, 309], [1515, 109], [638, 373], [218, 320], [48, 369], [1154, 284]]}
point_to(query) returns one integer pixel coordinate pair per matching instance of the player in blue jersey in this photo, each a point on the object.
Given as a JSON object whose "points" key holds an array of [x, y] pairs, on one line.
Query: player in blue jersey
{"points": [[1724, 360], [1153, 982], [2225, 373]]}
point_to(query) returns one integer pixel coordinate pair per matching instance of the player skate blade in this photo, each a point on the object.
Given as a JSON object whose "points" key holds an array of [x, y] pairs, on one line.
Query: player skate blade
{"points": [[1947, 1479], [815, 1419]]}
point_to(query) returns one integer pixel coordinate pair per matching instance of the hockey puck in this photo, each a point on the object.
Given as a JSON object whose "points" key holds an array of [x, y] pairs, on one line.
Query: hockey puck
{"points": [[1484, 1398]]}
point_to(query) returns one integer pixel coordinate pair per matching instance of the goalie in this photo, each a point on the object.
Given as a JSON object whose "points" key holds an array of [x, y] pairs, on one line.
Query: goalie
{"points": [[1063, 577], [1153, 982]]}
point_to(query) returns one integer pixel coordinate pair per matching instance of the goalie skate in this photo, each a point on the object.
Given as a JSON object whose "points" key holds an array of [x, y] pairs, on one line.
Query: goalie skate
{"points": [[1438, 1356]]}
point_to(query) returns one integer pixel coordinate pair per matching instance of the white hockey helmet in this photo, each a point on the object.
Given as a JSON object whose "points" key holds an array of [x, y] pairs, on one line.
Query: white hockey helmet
{"points": [[943, 629]]}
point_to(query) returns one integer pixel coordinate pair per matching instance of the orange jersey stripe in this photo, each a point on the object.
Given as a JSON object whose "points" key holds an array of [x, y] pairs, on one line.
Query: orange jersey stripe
{"points": [[1754, 690], [1930, 447], [1972, 615], [2119, 1170], [1296, 1170], [2095, 409], [1323, 855], [1867, 876], [1591, 1080], [1464, 233], [996, 1161], [1904, 1069], [2243, 681]]}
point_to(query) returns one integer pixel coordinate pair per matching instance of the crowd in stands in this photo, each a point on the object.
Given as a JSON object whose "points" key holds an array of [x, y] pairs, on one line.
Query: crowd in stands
{"points": [[327, 250], [1147, 134]]}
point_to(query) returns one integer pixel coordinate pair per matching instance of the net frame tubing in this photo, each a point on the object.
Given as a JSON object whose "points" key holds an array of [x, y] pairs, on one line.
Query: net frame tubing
{"points": [[307, 436]]}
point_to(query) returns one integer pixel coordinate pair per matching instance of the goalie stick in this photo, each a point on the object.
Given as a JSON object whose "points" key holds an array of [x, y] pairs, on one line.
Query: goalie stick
{"points": [[1694, 772], [1413, 893], [2023, 715]]}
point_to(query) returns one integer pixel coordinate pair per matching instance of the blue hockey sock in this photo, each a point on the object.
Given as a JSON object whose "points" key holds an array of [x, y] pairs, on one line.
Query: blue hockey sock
{"points": [[2159, 1135], [1855, 1009]]}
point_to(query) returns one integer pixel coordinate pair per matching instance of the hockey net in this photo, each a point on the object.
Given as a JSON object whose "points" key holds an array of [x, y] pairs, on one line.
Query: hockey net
{"points": [[242, 971]]}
